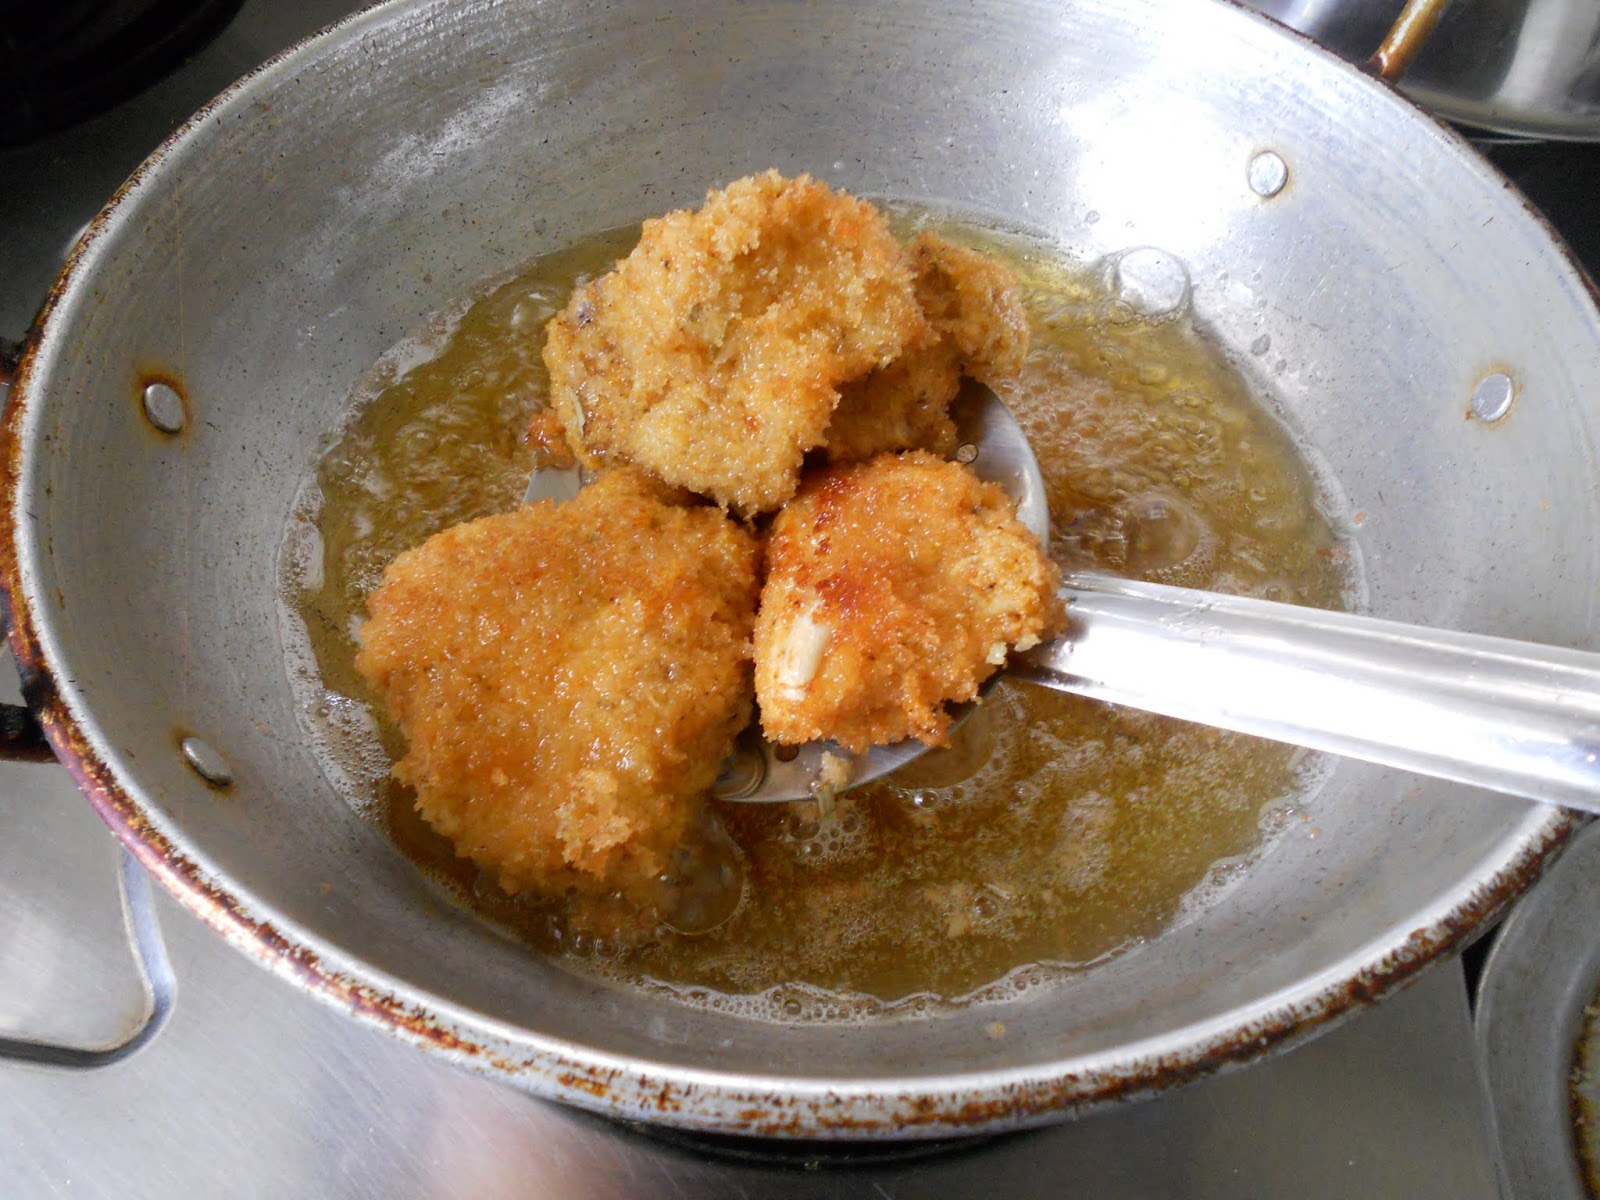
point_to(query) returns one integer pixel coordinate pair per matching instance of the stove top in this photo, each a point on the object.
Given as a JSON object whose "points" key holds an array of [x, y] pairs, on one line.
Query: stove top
{"points": [[75, 58], [244, 1086]]}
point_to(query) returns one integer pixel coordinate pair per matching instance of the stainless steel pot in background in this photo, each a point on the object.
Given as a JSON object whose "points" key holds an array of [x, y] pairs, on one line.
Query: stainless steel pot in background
{"points": [[1524, 67], [1536, 1024], [1364, 264]]}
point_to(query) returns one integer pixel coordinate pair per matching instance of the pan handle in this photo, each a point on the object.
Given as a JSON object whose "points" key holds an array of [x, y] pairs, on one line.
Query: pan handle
{"points": [[1406, 37], [156, 981], [22, 739]]}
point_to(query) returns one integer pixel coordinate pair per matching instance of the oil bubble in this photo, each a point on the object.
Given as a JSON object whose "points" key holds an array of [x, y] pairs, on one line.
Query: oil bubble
{"points": [[705, 885], [1150, 282], [1161, 532]]}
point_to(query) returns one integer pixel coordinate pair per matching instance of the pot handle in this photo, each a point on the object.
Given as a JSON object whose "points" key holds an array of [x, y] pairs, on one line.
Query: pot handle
{"points": [[1406, 37], [156, 980], [22, 739]]}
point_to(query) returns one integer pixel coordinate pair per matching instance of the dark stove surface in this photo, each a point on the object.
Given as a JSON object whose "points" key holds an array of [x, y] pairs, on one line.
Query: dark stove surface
{"points": [[1563, 180], [64, 61]]}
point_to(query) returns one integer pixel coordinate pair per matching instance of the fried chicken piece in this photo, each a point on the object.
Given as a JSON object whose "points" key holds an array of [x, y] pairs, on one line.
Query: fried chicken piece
{"points": [[971, 301], [712, 355], [893, 587], [569, 679], [904, 406]]}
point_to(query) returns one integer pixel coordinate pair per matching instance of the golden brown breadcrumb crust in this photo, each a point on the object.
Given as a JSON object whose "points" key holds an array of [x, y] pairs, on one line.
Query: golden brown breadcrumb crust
{"points": [[712, 355], [547, 438], [973, 305], [569, 679], [904, 406], [972, 300], [893, 587]]}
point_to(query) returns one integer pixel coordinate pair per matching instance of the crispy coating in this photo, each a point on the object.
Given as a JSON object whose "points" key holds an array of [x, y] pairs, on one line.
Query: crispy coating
{"points": [[712, 355], [893, 587], [569, 679], [547, 438], [971, 301], [904, 406]]}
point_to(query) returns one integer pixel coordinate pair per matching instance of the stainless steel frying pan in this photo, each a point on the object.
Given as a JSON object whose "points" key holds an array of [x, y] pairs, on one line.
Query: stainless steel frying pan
{"points": [[1361, 263]]}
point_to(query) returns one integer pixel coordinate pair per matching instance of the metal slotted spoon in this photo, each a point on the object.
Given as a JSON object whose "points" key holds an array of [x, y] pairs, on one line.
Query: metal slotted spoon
{"points": [[1515, 717]]}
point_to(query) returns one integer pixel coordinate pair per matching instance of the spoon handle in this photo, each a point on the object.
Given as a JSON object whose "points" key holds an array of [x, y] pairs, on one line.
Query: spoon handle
{"points": [[1512, 716]]}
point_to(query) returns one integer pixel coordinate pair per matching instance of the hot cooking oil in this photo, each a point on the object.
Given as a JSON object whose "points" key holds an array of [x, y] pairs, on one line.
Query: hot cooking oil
{"points": [[1056, 830]]}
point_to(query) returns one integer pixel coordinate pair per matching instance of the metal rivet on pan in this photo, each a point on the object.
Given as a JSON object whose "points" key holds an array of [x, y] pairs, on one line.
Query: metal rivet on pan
{"points": [[206, 762], [163, 407], [966, 453], [1492, 398], [1268, 174]]}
